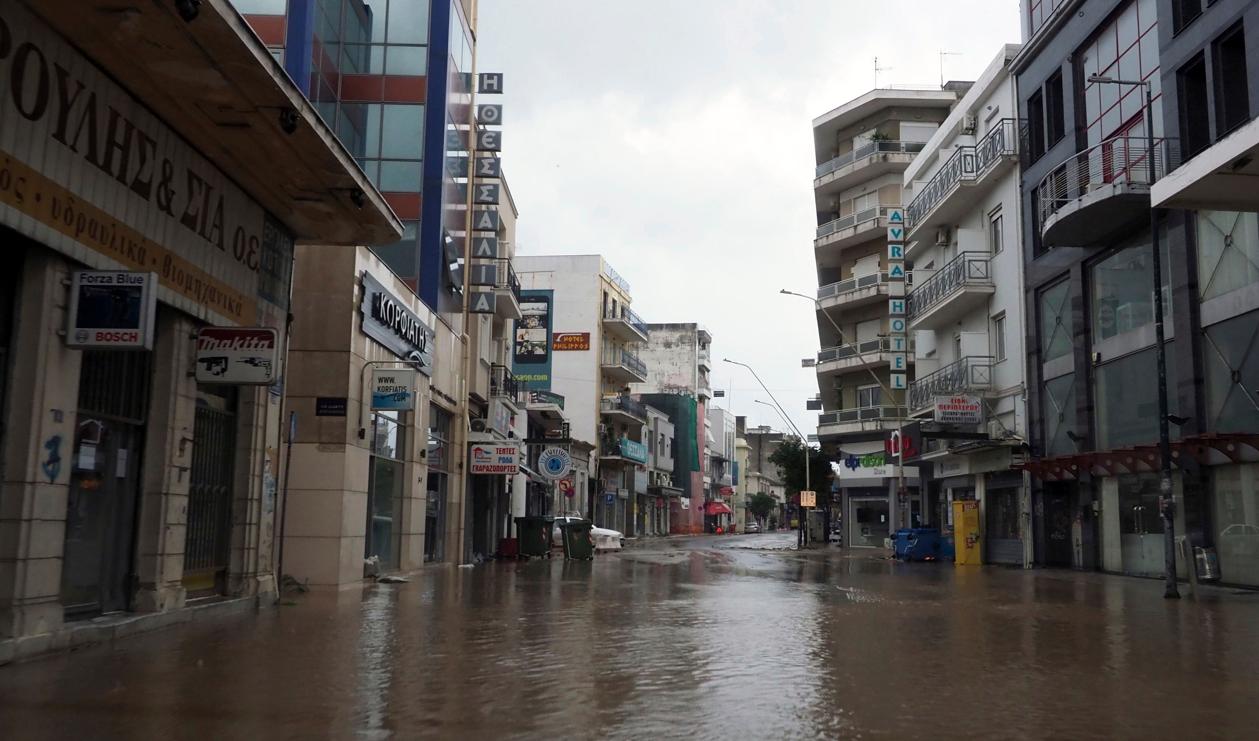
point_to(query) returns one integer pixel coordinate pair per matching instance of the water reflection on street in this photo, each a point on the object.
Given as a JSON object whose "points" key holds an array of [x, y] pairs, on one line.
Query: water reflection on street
{"points": [[706, 638]]}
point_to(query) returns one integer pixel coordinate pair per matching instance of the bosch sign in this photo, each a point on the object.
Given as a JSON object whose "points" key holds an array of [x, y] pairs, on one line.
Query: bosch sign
{"points": [[112, 309]]}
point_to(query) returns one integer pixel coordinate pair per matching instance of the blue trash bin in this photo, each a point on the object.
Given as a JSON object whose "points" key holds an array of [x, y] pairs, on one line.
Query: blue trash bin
{"points": [[922, 544], [901, 540]]}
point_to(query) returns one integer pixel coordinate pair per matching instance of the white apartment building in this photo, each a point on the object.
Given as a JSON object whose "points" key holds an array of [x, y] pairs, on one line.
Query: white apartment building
{"points": [[966, 314]]}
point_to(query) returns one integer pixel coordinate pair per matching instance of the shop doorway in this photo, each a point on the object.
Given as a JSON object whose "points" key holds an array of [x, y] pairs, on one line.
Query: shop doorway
{"points": [[1001, 527], [208, 541], [869, 518], [104, 482], [1058, 548]]}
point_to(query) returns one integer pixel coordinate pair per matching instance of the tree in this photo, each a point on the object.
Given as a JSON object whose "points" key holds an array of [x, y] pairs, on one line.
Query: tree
{"points": [[761, 505], [789, 457]]}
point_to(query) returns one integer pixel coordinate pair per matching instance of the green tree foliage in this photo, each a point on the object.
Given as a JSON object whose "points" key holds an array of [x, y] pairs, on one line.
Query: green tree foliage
{"points": [[789, 457], [761, 505]]}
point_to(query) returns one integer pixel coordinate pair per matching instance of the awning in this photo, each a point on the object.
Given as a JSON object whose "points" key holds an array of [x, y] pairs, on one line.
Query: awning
{"points": [[717, 508]]}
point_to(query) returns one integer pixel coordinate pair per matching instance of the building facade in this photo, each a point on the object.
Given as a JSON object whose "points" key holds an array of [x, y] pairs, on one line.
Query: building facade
{"points": [[862, 149], [147, 295], [1088, 249], [966, 314]]}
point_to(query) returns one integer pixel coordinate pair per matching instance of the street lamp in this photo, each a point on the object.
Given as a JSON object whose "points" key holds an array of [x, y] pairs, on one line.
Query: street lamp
{"points": [[808, 457], [900, 426], [803, 440], [1167, 501]]}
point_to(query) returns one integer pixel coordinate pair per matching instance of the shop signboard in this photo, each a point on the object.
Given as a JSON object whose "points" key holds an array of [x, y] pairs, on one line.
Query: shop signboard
{"points": [[959, 410], [112, 309], [531, 355], [330, 406], [244, 356], [554, 463], [633, 450], [808, 498], [393, 389], [388, 320], [570, 341], [495, 459]]}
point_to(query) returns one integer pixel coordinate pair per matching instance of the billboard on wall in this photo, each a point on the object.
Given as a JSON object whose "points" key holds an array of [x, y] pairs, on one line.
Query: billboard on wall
{"points": [[531, 353]]}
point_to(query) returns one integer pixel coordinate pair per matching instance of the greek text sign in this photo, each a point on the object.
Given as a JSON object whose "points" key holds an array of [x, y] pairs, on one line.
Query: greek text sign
{"points": [[387, 320], [959, 410], [495, 459], [236, 355], [570, 341]]}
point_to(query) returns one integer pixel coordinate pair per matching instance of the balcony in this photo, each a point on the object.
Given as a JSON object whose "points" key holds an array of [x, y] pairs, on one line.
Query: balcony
{"points": [[624, 409], [507, 292], [971, 373], [546, 408], [704, 360], [968, 169], [852, 229], [1103, 192], [503, 385], [856, 291], [623, 324], [863, 163], [964, 283], [704, 389], [622, 450], [623, 366], [871, 353], [865, 419]]}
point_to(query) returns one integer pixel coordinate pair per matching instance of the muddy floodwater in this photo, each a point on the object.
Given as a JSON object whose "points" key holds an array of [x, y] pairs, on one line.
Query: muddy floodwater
{"points": [[722, 638]]}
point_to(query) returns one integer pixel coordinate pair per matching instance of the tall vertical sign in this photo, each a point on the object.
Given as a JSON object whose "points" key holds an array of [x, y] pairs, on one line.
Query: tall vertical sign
{"points": [[531, 354], [487, 270], [898, 315]]}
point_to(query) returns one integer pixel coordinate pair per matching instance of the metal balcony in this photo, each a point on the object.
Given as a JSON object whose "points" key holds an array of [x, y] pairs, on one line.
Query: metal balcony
{"points": [[971, 373], [867, 161], [627, 409], [968, 166], [864, 419], [507, 291], [503, 385], [622, 450], [854, 228], [1102, 192], [621, 322], [623, 366], [856, 291], [546, 408], [962, 284], [871, 353]]}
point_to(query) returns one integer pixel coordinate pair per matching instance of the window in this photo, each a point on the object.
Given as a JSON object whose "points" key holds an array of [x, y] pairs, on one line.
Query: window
{"points": [[1184, 12], [1122, 300], [869, 396], [1055, 116], [1126, 49], [996, 237], [1036, 126], [385, 489], [1195, 123], [1040, 11], [1228, 252], [1232, 100], [998, 337], [1127, 399], [1231, 374], [1056, 325], [1057, 402]]}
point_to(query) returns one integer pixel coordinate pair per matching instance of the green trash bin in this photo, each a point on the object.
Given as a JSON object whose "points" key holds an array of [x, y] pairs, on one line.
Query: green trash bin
{"points": [[535, 535], [578, 542]]}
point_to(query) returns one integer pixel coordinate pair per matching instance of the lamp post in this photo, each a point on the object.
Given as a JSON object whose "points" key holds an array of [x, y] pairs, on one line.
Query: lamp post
{"points": [[808, 459], [899, 452], [803, 440], [1167, 502]]}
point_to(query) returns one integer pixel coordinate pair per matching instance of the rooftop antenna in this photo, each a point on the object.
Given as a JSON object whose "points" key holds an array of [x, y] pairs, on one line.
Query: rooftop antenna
{"points": [[944, 54], [877, 70]]}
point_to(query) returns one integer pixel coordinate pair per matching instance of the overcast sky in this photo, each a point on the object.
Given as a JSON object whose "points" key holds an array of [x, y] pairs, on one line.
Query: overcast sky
{"points": [[674, 138]]}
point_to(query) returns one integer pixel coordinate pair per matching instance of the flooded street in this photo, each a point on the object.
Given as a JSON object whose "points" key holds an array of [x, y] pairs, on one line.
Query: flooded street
{"points": [[705, 638]]}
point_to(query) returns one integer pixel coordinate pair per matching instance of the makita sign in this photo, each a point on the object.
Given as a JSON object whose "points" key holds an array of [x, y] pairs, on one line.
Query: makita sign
{"points": [[245, 356]]}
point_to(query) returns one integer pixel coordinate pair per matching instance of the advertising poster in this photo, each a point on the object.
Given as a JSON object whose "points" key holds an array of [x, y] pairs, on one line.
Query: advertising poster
{"points": [[393, 390], [236, 355], [531, 355]]}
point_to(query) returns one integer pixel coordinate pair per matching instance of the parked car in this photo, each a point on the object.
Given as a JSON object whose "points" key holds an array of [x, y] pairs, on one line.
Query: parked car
{"points": [[752, 527], [605, 539]]}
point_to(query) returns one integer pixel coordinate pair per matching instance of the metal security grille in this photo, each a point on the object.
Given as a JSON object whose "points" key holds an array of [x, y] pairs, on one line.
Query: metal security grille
{"points": [[115, 384], [208, 539]]}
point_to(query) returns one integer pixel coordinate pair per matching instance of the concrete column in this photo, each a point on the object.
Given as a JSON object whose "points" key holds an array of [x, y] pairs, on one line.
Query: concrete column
{"points": [[38, 450], [168, 444], [981, 491], [1112, 548], [258, 456]]}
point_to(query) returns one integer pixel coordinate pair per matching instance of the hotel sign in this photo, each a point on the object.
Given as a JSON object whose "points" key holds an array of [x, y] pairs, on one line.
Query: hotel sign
{"points": [[898, 319], [101, 179]]}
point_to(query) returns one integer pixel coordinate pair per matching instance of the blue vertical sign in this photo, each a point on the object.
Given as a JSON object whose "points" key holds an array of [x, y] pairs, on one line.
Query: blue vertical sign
{"points": [[531, 351]]}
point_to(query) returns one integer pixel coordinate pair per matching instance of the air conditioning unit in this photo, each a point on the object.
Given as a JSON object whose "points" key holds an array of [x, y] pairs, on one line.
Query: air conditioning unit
{"points": [[995, 430], [478, 425], [942, 237], [969, 124]]}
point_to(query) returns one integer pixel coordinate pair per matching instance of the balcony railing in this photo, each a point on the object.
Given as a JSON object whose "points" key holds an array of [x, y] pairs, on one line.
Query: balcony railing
{"points": [[504, 384], [863, 414], [971, 373], [546, 397], [1122, 160], [844, 352], [865, 150], [507, 278], [625, 404], [853, 219], [849, 285], [627, 315], [625, 359], [967, 269], [968, 164]]}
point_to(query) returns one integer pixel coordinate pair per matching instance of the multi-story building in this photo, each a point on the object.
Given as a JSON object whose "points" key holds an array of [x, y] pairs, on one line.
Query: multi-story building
{"points": [[722, 452], [1087, 181], [579, 339], [862, 149], [763, 475], [679, 361], [965, 311], [142, 324], [654, 507]]}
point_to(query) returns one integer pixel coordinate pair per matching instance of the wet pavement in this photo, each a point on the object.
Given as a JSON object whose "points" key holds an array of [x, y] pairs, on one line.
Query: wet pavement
{"points": [[720, 637]]}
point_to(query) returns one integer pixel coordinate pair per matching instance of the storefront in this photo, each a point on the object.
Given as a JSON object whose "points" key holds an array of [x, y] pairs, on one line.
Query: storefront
{"points": [[143, 308], [867, 483]]}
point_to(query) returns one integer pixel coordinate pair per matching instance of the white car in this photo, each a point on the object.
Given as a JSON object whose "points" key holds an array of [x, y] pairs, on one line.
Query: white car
{"points": [[605, 539], [752, 527]]}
